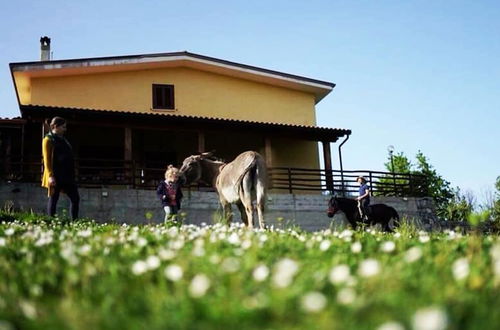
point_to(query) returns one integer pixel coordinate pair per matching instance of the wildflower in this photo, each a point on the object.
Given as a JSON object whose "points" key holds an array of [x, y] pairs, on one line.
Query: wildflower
{"points": [[2, 241], [388, 246], [284, 271], [431, 318], [495, 252], [496, 268], [262, 238], [28, 309], [230, 265], [198, 251], [339, 274], [324, 245], [173, 272], [260, 273], [166, 254], [153, 262], [413, 254], [369, 268], [346, 233], [460, 269], [234, 239], [141, 242], [391, 326], [177, 244], [356, 247], [9, 231], [214, 259], [139, 267], [85, 233], [246, 244], [313, 302], [84, 250], [346, 296], [424, 238], [259, 300], [199, 286]]}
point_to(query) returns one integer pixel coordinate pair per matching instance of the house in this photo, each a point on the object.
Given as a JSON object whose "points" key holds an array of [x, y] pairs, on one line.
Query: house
{"points": [[130, 116]]}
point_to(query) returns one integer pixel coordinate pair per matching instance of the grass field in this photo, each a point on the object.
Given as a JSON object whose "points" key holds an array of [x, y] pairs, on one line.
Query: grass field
{"points": [[85, 275]]}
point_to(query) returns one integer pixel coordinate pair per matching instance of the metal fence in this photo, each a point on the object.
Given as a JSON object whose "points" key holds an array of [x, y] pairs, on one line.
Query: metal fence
{"points": [[147, 175]]}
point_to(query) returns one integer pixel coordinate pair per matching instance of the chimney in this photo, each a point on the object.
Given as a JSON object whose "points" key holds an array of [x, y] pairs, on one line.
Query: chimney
{"points": [[45, 48]]}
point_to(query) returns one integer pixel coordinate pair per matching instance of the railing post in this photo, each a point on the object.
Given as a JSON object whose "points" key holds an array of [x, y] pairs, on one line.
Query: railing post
{"points": [[371, 181], [133, 174], [289, 171], [410, 184]]}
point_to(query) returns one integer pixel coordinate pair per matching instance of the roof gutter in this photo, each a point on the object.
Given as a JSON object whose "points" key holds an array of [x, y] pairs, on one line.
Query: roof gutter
{"points": [[341, 166]]}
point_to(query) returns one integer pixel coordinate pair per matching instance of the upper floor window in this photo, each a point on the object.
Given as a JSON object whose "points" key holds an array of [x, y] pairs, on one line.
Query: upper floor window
{"points": [[163, 97]]}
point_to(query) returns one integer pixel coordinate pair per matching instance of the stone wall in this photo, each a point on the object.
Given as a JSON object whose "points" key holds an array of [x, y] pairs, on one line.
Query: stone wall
{"points": [[142, 206]]}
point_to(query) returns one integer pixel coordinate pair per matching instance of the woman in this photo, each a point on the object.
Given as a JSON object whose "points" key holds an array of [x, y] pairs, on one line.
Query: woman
{"points": [[58, 167]]}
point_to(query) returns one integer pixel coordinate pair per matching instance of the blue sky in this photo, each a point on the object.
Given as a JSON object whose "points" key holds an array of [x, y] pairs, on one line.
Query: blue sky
{"points": [[419, 75]]}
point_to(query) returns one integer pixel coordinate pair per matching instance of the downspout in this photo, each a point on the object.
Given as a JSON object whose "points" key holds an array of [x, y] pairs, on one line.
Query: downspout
{"points": [[341, 166]]}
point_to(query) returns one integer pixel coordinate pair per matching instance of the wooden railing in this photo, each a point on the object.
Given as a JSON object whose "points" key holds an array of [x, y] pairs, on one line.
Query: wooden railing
{"points": [[104, 172], [344, 182]]}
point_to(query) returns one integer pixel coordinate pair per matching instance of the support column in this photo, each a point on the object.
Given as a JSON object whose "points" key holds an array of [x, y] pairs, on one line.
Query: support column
{"points": [[327, 156], [268, 152], [127, 156], [201, 141]]}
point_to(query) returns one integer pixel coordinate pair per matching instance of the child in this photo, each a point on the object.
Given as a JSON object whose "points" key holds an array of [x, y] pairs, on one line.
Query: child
{"points": [[170, 194], [364, 198]]}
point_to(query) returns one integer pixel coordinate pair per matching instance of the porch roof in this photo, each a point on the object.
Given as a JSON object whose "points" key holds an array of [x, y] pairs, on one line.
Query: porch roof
{"points": [[101, 117]]}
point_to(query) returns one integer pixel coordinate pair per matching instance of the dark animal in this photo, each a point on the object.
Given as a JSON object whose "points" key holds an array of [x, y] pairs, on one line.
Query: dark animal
{"points": [[380, 213], [240, 182]]}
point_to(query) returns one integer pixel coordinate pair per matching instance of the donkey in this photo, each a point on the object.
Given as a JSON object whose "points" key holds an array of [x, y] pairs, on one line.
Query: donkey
{"points": [[240, 182]]}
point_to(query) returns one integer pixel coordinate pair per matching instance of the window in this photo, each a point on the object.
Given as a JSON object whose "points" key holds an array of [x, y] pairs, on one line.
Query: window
{"points": [[163, 97]]}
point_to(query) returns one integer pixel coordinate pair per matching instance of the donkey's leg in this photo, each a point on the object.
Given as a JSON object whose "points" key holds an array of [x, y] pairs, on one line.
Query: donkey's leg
{"points": [[248, 207], [226, 211], [260, 184], [261, 204], [246, 198], [243, 213]]}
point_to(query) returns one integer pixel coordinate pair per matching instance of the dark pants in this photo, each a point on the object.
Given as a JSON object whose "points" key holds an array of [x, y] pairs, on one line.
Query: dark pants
{"points": [[364, 207], [72, 191]]}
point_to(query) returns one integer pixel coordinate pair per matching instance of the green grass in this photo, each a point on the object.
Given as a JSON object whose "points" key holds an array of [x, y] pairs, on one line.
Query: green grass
{"points": [[83, 275]]}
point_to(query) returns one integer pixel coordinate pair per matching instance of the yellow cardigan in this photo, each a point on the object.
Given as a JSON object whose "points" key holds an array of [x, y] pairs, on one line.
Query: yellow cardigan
{"points": [[48, 171]]}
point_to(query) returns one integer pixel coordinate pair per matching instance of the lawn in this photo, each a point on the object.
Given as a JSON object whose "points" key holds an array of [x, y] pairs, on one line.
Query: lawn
{"points": [[85, 275]]}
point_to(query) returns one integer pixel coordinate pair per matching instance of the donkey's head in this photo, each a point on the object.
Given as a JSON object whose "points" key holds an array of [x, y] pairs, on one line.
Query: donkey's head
{"points": [[191, 168]]}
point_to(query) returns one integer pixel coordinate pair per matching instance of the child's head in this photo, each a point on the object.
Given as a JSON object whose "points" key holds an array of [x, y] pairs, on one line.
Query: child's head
{"points": [[361, 180], [172, 173]]}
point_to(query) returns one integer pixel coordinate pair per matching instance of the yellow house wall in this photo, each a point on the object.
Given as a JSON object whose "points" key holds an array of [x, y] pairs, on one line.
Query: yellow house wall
{"points": [[197, 93], [304, 154]]}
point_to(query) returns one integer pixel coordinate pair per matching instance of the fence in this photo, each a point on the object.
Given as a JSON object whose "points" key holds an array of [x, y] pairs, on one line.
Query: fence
{"points": [[344, 182], [146, 175]]}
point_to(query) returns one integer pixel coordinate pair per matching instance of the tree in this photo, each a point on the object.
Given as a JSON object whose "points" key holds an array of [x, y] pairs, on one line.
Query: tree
{"points": [[429, 182], [396, 164], [495, 212], [401, 163], [436, 186]]}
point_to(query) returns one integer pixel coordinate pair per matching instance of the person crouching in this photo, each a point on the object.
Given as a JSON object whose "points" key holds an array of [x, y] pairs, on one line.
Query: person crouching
{"points": [[170, 194]]}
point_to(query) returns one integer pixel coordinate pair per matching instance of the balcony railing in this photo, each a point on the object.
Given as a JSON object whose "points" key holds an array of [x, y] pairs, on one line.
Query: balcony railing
{"points": [[147, 175]]}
